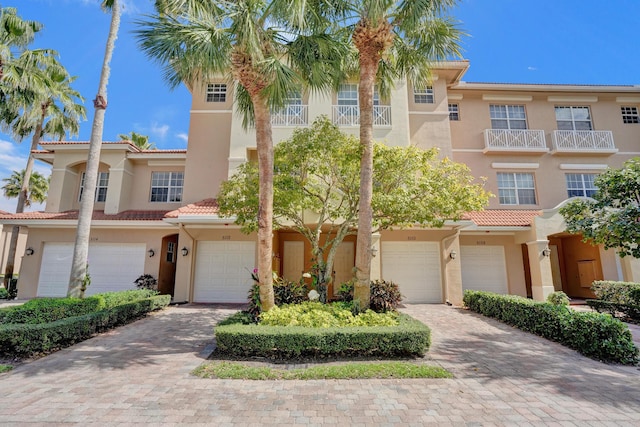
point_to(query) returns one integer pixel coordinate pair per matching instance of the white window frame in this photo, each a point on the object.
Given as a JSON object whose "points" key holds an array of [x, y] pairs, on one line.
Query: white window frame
{"points": [[348, 94], [454, 112], [423, 95], [102, 185], [571, 122], [581, 184], [630, 114], [216, 92], [513, 116], [517, 190], [172, 182]]}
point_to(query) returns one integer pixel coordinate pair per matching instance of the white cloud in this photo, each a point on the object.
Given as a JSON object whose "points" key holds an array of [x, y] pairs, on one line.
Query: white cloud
{"points": [[159, 130], [183, 136], [13, 157], [530, 68]]}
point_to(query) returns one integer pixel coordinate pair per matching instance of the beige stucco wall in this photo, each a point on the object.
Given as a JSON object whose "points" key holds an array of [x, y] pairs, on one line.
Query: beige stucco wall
{"points": [[30, 268], [5, 239]]}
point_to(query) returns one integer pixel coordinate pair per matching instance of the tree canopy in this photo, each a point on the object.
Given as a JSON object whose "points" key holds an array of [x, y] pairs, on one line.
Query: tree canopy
{"points": [[612, 217], [37, 190], [316, 183]]}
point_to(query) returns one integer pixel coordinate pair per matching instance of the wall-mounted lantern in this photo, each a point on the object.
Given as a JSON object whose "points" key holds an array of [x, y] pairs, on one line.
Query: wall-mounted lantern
{"points": [[185, 251]]}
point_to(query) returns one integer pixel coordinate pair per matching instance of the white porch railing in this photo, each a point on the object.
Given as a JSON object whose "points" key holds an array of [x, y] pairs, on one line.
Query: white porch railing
{"points": [[515, 140], [584, 141], [290, 115], [349, 115]]}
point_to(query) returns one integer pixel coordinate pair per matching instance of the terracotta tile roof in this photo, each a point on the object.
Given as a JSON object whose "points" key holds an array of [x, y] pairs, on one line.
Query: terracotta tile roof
{"points": [[203, 207], [130, 215], [502, 217], [169, 151]]}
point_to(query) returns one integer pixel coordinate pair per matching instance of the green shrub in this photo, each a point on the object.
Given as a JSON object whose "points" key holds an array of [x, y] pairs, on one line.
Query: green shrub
{"points": [[620, 299], [44, 310], [595, 335], [319, 315], [284, 292], [3, 293], [25, 340], [409, 338], [558, 298], [385, 295], [113, 299], [146, 281]]}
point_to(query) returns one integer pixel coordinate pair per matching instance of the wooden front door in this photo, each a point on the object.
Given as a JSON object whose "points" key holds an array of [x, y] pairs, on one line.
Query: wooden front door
{"points": [[167, 273]]}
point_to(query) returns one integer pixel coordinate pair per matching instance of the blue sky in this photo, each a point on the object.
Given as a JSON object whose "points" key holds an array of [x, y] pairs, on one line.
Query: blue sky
{"points": [[517, 41]]}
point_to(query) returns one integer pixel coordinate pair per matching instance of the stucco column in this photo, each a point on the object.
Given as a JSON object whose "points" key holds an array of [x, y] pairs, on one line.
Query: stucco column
{"points": [[540, 267], [630, 269], [452, 270], [375, 261]]}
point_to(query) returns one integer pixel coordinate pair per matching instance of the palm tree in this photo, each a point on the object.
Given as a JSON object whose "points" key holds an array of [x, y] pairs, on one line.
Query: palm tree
{"points": [[14, 33], [46, 106], [38, 187], [393, 40], [139, 140], [81, 248], [268, 49]]}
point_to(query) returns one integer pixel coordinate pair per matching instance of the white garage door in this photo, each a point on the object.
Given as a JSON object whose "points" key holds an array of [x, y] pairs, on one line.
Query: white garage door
{"points": [[112, 267], [483, 268], [415, 267], [223, 271]]}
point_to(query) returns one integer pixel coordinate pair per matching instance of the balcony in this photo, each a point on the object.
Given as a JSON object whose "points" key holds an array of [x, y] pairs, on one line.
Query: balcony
{"points": [[290, 115], [349, 115], [521, 141], [583, 142]]}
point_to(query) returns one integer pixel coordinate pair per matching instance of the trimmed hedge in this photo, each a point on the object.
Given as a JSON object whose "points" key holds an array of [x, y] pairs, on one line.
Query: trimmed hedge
{"points": [[25, 339], [620, 299], [410, 338], [595, 335]]}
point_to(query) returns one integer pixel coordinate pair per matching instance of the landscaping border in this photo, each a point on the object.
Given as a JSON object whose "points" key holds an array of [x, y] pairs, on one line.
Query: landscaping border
{"points": [[409, 338]]}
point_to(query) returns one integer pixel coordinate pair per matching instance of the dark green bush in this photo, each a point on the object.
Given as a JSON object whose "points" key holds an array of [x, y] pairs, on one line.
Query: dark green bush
{"points": [[284, 292], [44, 310], [595, 335], [3, 293], [620, 299], [409, 338], [385, 295], [146, 281], [112, 299], [24, 340]]}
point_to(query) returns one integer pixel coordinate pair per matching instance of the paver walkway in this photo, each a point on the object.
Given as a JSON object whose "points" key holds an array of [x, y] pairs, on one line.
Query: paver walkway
{"points": [[140, 374]]}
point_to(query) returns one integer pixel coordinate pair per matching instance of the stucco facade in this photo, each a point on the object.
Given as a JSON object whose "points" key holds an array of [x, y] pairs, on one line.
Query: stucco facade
{"points": [[536, 145]]}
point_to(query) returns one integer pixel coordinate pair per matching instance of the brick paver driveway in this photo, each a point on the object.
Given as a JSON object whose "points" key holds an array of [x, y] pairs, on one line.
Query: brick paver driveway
{"points": [[140, 374]]}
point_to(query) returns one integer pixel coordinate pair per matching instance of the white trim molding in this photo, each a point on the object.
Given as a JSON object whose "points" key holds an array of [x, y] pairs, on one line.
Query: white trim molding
{"points": [[455, 96], [628, 99], [507, 98], [580, 166], [572, 99], [496, 165]]}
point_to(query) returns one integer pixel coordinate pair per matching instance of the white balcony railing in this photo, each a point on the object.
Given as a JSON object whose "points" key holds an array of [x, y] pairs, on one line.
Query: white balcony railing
{"points": [[583, 141], [515, 140], [290, 115], [349, 115]]}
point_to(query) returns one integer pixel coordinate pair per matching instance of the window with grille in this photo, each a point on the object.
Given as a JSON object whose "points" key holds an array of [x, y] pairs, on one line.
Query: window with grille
{"points": [[423, 95], [581, 184], [515, 188], [101, 186], [216, 92], [508, 117], [167, 186], [573, 118], [629, 114], [454, 112], [348, 94]]}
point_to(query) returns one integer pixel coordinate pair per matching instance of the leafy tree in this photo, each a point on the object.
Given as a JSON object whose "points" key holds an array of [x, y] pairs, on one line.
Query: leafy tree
{"points": [[81, 248], [139, 140], [393, 39], [268, 49], [37, 189], [612, 217], [14, 33], [317, 170]]}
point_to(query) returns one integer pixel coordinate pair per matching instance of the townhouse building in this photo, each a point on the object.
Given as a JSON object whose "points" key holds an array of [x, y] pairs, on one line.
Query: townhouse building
{"points": [[537, 146]]}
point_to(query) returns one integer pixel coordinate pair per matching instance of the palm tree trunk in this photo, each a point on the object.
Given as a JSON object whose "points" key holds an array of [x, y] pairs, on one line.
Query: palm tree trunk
{"points": [[81, 249], [264, 142], [22, 201], [361, 292]]}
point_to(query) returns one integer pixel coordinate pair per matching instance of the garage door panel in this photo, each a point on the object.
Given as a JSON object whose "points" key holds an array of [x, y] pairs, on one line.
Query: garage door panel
{"points": [[415, 267], [112, 267], [484, 268], [223, 271]]}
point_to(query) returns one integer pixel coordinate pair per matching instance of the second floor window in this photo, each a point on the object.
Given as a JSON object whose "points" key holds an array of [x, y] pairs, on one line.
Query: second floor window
{"points": [[101, 186], [508, 117], [348, 94], [581, 184], [629, 114], [167, 186], [573, 118], [454, 112], [516, 188], [423, 95], [216, 92]]}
